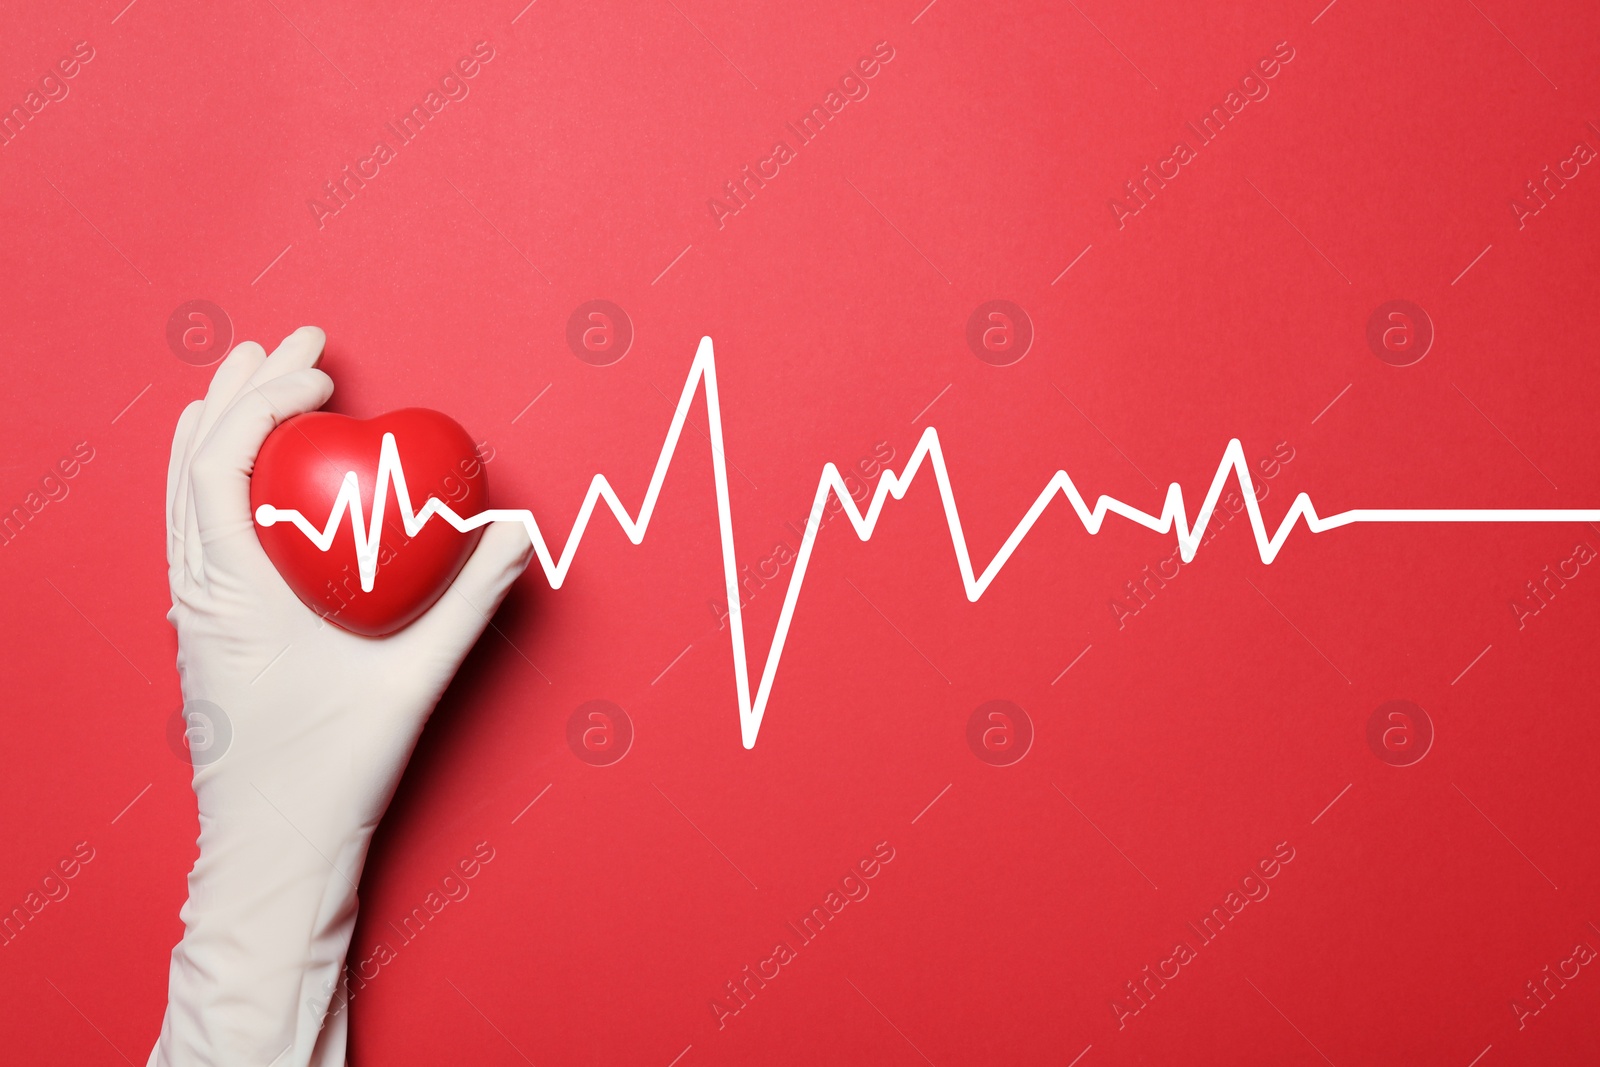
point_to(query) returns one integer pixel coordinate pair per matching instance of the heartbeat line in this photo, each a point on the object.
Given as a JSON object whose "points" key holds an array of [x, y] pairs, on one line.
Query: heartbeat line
{"points": [[1174, 516]]}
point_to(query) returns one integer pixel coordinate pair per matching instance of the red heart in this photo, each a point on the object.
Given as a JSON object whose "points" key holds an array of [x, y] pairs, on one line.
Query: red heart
{"points": [[302, 466]]}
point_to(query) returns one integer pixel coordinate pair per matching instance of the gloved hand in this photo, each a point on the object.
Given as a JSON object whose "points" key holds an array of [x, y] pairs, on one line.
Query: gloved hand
{"points": [[322, 723]]}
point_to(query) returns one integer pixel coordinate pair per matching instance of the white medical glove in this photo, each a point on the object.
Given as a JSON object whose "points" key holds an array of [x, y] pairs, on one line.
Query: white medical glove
{"points": [[322, 722]]}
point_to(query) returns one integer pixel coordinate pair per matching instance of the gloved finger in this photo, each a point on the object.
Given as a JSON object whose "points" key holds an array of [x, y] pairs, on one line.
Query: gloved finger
{"points": [[226, 383], [301, 350], [450, 627], [176, 481], [220, 473]]}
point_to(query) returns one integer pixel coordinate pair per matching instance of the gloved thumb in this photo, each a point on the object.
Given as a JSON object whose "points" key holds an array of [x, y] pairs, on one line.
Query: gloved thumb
{"points": [[455, 622]]}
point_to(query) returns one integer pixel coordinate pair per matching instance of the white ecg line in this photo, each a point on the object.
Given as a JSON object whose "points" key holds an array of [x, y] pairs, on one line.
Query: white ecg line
{"points": [[1173, 516]]}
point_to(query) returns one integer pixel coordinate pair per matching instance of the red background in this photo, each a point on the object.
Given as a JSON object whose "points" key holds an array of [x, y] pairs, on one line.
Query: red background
{"points": [[1218, 722]]}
